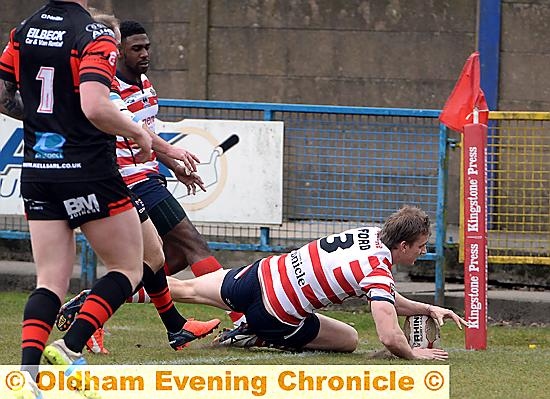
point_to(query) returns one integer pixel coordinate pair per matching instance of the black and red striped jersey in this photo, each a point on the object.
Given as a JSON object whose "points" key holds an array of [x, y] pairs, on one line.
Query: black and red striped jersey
{"points": [[354, 263], [48, 56]]}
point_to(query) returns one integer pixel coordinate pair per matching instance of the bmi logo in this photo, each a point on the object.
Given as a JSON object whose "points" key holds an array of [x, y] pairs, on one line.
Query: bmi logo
{"points": [[80, 206]]}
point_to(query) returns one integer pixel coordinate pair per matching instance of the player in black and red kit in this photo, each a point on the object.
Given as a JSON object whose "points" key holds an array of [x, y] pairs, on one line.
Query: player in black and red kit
{"points": [[62, 63], [183, 245]]}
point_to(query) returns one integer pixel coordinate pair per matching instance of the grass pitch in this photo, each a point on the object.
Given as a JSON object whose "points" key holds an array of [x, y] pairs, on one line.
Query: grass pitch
{"points": [[510, 368]]}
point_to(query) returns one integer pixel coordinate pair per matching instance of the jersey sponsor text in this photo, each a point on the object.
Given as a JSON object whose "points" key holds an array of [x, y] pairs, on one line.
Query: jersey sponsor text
{"points": [[45, 37]]}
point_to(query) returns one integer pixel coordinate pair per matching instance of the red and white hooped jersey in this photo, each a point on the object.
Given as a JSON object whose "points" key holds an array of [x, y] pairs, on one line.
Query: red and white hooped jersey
{"points": [[143, 103], [326, 271]]}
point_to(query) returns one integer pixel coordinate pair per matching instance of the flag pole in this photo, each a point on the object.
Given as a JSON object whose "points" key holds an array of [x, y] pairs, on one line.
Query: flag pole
{"points": [[461, 109], [474, 141]]}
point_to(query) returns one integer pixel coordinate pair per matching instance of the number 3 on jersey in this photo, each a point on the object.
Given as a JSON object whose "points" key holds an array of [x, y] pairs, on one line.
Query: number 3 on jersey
{"points": [[336, 242], [45, 75]]}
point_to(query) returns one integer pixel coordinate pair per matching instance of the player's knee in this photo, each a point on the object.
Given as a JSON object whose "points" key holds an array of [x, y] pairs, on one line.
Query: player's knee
{"points": [[344, 340], [351, 342], [155, 259], [134, 275]]}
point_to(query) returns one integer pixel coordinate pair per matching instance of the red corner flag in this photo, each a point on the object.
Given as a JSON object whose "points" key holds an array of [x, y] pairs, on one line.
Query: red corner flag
{"points": [[467, 94]]}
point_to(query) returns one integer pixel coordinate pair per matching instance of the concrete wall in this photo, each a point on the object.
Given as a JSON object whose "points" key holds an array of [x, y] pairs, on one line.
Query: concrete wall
{"points": [[383, 53], [386, 53], [525, 56]]}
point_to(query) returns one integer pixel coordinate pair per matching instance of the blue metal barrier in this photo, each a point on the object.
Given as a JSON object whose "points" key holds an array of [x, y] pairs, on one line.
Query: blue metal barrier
{"points": [[88, 259], [343, 167]]}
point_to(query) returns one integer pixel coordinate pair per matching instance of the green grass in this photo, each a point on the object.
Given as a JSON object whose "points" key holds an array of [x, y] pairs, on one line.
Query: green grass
{"points": [[509, 368]]}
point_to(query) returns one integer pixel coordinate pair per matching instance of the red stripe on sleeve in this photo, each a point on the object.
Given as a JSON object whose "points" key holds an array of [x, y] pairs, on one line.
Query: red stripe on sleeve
{"points": [[380, 272], [9, 60], [7, 68], [98, 61], [75, 68], [374, 261], [377, 285]]}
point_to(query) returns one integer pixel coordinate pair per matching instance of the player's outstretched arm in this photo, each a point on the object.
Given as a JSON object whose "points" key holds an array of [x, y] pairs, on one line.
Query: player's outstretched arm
{"points": [[104, 114], [161, 146], [407, 307], [440, 314], [392, 337]]}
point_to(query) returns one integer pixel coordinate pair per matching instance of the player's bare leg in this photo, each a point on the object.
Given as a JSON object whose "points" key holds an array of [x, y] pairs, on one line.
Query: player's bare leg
{"points": [[126, 258], [53, 248], [110, 291], [202, 290], [153, 259], [185, 246], [153, 254], [334, 335]]}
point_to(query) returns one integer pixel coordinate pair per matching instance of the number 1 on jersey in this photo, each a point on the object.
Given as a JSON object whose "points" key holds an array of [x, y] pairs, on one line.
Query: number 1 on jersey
{"points": [[45, 75]]}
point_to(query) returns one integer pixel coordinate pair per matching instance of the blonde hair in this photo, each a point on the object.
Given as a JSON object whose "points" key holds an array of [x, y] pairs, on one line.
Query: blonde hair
{"points": [[407, 224], [109, 20]]}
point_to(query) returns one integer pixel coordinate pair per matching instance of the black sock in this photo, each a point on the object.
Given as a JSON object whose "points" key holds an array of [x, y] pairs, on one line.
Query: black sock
{"points": [[38, 319], [157, 287], [106, 296]]}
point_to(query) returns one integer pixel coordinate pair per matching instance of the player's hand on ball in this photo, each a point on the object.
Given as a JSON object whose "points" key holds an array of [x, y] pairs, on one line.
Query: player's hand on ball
{"points": [[430, 354], [439, 314]]}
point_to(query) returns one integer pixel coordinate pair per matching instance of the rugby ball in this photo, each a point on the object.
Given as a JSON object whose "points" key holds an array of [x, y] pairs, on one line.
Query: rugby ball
{"points": [[422, 332]]}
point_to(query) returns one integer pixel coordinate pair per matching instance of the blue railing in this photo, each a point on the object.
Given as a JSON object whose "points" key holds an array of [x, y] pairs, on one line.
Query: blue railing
{"points": [[88, 259], [342, 167]]}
